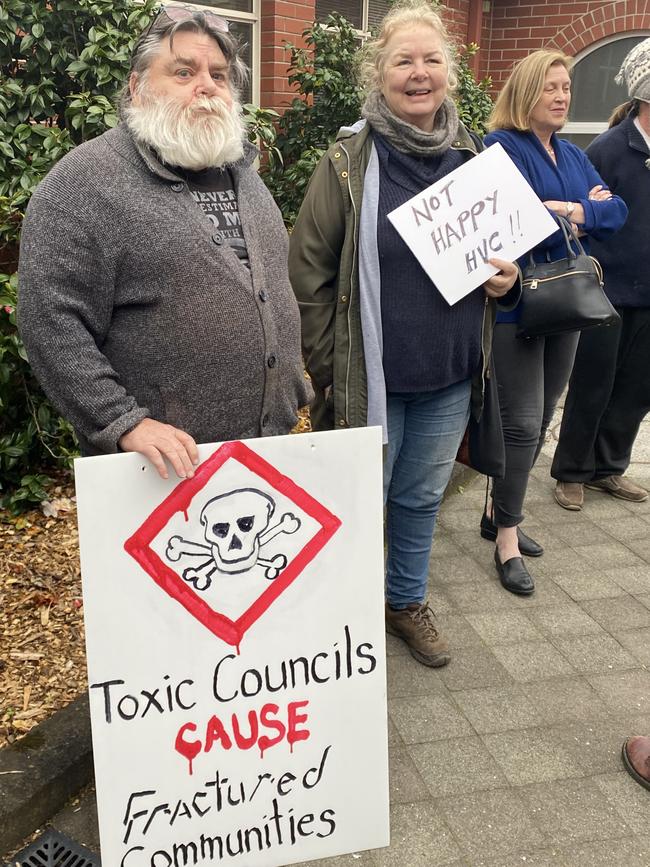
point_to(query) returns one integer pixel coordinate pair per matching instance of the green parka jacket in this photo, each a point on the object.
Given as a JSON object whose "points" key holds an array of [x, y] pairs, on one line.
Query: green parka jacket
{"points": [[324, 273]]}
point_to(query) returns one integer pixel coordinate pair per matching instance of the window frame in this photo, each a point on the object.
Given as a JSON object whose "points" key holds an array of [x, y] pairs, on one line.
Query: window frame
{"points": [[595, 127], [252, 18]]}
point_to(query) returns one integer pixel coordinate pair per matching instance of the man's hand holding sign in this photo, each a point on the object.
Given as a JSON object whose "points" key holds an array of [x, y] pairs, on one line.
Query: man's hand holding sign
{"points": [[467, 229]]}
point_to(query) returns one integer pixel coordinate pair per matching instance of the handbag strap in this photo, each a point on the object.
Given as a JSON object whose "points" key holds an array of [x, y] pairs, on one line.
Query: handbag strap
{"points": [[569, 235]]}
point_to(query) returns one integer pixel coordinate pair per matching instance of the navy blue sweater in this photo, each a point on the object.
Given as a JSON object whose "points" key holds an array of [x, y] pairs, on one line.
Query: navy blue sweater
{"points": [[568, 181], [621, 156]]}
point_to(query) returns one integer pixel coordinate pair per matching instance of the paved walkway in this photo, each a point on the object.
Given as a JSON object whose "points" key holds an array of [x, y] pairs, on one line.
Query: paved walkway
{"points": [[511, 754]]}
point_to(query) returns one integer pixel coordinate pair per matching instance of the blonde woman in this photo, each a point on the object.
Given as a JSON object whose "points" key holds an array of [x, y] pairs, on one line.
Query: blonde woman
{"points": [[531, 374], [380, 342]]}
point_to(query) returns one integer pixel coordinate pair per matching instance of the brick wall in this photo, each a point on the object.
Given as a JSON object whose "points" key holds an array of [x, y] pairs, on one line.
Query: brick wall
{"points": [[517, 27], [281, 22]]}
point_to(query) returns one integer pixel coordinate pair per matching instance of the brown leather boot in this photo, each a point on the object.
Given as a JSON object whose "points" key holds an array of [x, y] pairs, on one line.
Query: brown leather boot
{"points": [[636, 758], [415, 625]]}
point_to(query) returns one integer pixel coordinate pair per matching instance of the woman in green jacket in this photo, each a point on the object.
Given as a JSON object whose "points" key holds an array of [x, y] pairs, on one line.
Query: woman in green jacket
{"points": [[381, 344]]}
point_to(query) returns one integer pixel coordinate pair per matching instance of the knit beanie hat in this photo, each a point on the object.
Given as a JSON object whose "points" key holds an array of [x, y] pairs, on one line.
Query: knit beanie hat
{"points": [[635, 72]]}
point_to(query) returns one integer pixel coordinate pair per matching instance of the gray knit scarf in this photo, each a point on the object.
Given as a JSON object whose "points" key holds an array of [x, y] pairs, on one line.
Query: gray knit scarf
{"points": [[405, 137]]}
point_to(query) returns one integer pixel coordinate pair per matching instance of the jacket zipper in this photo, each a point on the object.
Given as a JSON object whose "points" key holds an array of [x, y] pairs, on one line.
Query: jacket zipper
{"points": [[354, 265]]}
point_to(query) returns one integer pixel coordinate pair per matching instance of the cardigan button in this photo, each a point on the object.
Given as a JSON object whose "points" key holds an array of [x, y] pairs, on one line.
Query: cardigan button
{"points": [[271, 361], [178, 187], [344, 298], [337, 156], [342, 422], [344, 174], [262, 295], [217, 239], [265, 419]]}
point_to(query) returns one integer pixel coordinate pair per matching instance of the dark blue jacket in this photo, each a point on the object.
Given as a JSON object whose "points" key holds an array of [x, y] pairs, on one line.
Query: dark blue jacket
{"points": [[568, 181], [621, 156]]}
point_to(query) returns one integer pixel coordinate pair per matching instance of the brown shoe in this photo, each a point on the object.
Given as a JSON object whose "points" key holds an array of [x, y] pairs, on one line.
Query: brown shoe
{"points": [[636, 758], [569, 495], [619, 486], [415, 625]]}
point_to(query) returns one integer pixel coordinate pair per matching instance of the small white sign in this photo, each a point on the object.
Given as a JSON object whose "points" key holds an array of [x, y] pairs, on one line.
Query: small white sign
{"points": [[236, 652], [485, 209]]}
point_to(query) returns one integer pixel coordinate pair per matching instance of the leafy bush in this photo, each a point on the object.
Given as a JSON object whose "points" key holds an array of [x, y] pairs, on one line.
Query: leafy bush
{"points": [[329, 97], [33, 437], [61, 66]]}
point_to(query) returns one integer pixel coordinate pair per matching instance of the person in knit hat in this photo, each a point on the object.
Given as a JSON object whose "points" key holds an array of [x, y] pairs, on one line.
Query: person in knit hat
{"points": [[609, 391]]}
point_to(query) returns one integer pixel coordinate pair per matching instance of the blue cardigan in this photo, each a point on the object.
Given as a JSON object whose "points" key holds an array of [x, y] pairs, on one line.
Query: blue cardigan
{"points": [[568, 181]]}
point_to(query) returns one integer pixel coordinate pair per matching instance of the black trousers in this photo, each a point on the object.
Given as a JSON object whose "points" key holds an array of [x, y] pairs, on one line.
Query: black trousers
{"points": [[531, 375], [609, 395]]}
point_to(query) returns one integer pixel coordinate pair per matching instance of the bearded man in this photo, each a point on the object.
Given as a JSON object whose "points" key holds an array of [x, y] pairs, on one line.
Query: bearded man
{"points": [[154, 300]]}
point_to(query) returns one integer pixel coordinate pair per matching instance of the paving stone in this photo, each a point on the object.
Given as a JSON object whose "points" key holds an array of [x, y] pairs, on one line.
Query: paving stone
{"points": [[625, 691], [580, 532], [643, 598], [555, 559], [600, 505], [609, 556], [406, 676], [491, 824], [458, 631], [624, 529], [547, 592], [406, 784], [629, 799], [633, 579], [559, 620], [395, 646], [593, 653], [419, 835], [527, 858], [394, 737], [531, 756], [456, 569], [550, 513], [573, 811], [354, 859], [424, 718], [564, 700], [471, 542], [624, 852], [485, 595], [498, 709], [503, 627], [624, 612], [472, 668], [459, 520], [443, 547], [453, 766], [637, 641], [532, 660], [641, 548], [594, 745], [588, 584]]}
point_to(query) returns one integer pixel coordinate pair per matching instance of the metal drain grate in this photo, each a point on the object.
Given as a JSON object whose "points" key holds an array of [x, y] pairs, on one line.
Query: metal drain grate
{"points": [[53, 849]]}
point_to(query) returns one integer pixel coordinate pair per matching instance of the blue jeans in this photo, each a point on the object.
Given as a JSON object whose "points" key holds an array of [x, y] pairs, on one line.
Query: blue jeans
{"points": [[424, 432]]}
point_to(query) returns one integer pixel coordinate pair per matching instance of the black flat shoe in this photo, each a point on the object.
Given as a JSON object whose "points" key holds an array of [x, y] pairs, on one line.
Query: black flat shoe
{"points": [[514, 575], [528, 547]]}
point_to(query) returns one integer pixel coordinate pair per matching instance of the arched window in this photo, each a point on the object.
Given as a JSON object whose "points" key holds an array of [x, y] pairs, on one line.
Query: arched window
{"points": [[594, 93]]}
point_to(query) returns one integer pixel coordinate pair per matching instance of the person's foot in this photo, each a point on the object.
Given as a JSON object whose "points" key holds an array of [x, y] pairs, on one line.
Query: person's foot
{"points": [[570, 495], [619, 486], [636, 758], [513, 575], [527, 546], [415, 625]]}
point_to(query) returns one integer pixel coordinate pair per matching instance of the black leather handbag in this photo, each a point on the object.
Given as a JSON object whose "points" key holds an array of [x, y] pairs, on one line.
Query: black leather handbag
{"points": [[565, 295]]}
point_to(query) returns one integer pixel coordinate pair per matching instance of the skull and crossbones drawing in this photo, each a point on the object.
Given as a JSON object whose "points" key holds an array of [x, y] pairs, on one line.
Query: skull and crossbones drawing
{"points": [[236, 526]]}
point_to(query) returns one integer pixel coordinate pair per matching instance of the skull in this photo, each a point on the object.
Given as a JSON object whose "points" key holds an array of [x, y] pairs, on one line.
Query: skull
{"points": [[233, 525]]}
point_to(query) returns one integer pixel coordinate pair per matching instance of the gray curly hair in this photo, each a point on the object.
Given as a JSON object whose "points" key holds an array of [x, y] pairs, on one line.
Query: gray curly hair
{"points": [[163, 27]]}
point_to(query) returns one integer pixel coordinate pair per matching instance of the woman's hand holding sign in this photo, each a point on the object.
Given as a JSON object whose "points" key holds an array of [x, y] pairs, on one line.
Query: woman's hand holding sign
{"points": [[503, 281]]}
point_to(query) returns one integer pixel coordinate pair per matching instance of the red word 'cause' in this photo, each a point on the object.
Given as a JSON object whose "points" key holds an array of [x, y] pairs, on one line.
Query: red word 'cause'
{"points": [[217, 731]]}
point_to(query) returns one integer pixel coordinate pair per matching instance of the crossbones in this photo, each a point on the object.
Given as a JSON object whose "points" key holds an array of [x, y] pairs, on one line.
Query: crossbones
{"points": [[236, 526]]}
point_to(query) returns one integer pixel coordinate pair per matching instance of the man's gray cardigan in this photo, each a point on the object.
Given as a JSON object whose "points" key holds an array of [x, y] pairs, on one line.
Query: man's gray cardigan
{"points": [[130, 306]]}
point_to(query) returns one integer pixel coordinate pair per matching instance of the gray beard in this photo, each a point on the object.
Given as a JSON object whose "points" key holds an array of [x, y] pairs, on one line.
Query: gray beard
{"points": [[205, 134]]}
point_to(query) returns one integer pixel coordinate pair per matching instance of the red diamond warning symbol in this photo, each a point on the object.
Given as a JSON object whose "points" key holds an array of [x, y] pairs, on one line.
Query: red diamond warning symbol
{"points": [[228, 542]]}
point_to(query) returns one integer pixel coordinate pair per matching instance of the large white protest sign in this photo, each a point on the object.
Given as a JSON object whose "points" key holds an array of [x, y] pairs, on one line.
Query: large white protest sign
{"points": [[236, 652], [485, 209]]}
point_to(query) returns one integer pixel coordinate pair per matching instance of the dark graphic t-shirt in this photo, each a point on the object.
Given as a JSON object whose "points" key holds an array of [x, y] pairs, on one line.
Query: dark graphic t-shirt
{"points": [[214, 192]]}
